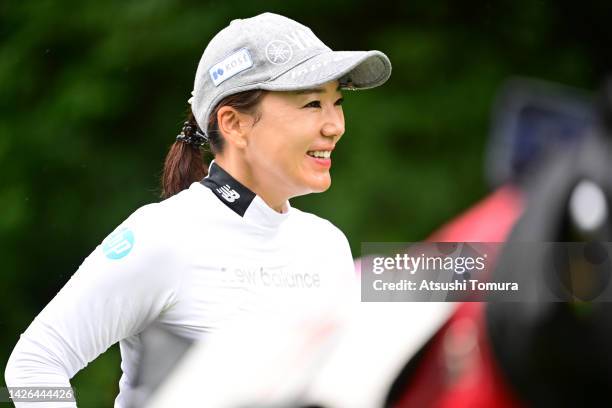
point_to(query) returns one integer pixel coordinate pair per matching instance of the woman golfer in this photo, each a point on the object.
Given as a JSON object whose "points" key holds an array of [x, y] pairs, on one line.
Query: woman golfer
{"points": [[267, 100]]}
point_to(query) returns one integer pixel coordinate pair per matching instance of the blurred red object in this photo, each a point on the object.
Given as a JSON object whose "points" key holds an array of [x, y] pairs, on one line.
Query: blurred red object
{"points": [[489, 220], [457, 368]]}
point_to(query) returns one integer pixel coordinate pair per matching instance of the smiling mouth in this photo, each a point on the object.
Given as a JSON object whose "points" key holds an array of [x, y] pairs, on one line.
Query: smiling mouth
{"points": [[319, 154]]}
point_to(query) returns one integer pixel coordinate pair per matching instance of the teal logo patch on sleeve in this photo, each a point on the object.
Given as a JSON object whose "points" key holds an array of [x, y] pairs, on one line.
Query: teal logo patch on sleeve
{"points": [[118, 244]]}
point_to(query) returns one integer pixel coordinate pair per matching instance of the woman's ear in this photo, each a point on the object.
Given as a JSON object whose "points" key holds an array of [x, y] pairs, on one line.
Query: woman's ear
{"points": [[234, 126]]}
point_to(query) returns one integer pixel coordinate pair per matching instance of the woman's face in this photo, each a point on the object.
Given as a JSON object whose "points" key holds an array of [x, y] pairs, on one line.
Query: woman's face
{"points": [[289, 147]]}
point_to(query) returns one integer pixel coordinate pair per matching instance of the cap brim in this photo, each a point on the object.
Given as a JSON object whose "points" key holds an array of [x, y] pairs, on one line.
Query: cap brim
{"points": [[364, 69]]}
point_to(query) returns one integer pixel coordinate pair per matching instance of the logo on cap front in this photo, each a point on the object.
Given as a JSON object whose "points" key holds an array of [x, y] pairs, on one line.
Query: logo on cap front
{"points": [[230, 66], [278, 52]]}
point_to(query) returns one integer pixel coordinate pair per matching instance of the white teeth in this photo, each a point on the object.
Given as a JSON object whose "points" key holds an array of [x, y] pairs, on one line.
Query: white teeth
{"points": [[323, 154]]}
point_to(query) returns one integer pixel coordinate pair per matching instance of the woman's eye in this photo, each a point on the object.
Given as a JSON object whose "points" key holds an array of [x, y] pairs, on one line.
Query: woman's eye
{"points": [[313, 104], [317, 104]]}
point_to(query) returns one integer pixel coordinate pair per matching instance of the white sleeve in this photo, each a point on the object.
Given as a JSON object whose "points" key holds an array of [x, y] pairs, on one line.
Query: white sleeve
{"points": [[126, 283]]}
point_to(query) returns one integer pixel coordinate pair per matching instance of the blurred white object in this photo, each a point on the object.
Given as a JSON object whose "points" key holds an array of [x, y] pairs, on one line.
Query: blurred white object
{"points": [[376, 343], [336, 359], [588, 206]]}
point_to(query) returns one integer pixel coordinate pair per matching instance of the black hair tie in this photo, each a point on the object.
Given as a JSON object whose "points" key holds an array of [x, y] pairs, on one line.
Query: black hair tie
{"points": [[192, 135]]}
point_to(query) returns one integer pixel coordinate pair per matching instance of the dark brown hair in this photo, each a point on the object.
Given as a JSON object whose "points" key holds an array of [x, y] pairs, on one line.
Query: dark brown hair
{"points": [[184, 162]]}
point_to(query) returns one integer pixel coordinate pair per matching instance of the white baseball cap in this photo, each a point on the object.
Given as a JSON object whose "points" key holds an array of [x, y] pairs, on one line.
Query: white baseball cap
{"points": [[272, 52]]}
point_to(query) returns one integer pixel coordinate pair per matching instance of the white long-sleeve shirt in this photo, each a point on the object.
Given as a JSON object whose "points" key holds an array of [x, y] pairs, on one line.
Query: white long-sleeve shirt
{"points": [[193, 263]]}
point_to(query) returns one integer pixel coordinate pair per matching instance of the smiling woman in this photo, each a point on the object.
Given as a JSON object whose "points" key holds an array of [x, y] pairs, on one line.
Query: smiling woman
{"points": [[267, 100]]}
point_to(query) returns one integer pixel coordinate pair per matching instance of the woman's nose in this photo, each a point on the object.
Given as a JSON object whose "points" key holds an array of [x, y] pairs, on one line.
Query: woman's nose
{"points": [[334, 123]]}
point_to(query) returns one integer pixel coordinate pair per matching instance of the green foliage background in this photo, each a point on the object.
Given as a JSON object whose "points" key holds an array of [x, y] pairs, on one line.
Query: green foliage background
{"points": [[93, 93]]}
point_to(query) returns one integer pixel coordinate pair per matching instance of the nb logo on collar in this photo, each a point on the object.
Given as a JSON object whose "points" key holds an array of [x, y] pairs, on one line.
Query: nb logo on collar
{"points": [[228, 193]]}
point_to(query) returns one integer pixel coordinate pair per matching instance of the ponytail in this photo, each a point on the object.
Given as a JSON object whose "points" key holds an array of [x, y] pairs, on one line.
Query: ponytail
{"points": [[184, 162]]}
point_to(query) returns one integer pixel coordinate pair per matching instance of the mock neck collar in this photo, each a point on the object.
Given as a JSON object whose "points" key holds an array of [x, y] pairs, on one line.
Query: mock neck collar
{"points": [[240, 199]]}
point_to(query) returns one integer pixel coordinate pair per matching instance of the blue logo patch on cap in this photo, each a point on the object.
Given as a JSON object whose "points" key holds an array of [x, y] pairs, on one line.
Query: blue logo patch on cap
{"points": [[230, 66], [118, 244], [216, 74]]}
